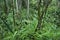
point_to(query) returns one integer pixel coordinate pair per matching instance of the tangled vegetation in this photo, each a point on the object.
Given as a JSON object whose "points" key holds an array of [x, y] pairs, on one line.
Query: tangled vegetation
{"points": [[29, 19]]}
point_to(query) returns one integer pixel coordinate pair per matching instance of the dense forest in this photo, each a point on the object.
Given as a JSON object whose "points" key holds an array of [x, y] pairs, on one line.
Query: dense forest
{"points": [[29, 20]]}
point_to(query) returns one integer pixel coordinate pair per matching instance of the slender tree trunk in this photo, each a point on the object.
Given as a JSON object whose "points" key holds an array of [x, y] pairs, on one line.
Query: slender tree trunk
{"points": [[44, 10], [39, 13], [20, 4], [13, 9], [5, 7], [4, 18], [27, 9], [17, 6], [27, 4]]}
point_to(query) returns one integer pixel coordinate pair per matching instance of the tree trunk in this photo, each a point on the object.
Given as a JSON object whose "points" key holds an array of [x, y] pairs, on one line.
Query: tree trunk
{"points": [[27, 9], [39, 14], [13, 9], [17, 6], [4, 18], [44, 10]]}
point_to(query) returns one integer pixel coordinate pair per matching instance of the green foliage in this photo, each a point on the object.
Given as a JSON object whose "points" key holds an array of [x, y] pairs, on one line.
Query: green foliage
{"points": [[24, 28]]}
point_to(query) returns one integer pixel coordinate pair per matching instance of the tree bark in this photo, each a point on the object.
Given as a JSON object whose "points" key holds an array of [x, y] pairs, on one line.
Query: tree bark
{"points": [[13, 9], [27, 9], [46, 3], [17, 6], [39, 14]]}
